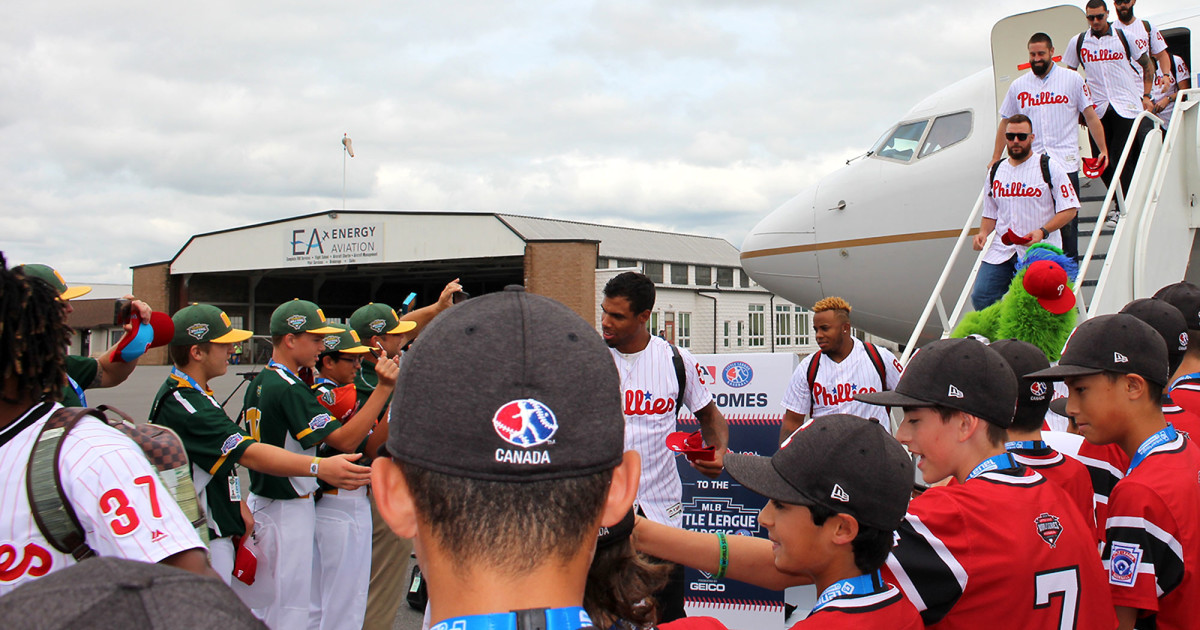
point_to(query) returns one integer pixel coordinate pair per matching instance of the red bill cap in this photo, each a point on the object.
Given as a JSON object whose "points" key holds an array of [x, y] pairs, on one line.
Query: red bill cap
{"points": [[1047, 281], [691, 445]]}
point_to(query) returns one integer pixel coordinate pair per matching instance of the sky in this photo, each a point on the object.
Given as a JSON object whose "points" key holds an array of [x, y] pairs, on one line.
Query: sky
{"points": [[130, 126]]}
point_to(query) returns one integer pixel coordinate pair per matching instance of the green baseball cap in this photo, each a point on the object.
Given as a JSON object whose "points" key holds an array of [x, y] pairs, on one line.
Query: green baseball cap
{"points": [[205, 323], [300, 316], [346, 340], [47, 274], [378, 319]]}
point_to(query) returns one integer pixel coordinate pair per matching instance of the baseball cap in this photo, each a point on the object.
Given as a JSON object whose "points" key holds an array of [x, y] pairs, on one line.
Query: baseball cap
{"points": [[340, 401], [1033, 397], [1167, 321], [1184, 296], [300, 316], [542, 402], [842, 462], [53, 278], [1091, 167], [345, 340], [204, 323], [378, 319], [961, 374], [1118, 343], [1059, 406], [107, 592], [1047, 281]]}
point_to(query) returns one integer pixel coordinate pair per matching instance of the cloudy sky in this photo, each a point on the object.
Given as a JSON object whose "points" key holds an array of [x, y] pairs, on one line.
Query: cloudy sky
{"points": [[129, 126]]}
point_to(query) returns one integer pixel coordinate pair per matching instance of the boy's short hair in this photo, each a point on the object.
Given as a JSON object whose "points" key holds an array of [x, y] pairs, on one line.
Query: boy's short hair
{"points": [[871, 546]]}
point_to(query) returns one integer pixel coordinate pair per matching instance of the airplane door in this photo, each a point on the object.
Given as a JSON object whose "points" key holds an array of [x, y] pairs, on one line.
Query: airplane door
{"points": [[1010, 36]]}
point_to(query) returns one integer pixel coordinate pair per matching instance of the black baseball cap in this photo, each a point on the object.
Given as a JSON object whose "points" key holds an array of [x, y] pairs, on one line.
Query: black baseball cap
{"points": [[1168, 321], [842, 462], [1184, 296], [1118, 343], [1033, 397], [961, 374], [509, 386]]}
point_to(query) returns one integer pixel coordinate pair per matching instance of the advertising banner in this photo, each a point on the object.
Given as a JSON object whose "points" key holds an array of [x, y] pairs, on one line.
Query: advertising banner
{"points": [[332, 244]]}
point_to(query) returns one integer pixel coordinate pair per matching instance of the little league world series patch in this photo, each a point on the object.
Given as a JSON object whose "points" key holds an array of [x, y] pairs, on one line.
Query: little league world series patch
{"points": [[1123, 564]]}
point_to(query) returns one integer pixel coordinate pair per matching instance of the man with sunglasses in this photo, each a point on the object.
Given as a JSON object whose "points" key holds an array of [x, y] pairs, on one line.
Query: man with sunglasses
{"points": [[1142, 35], [1022, 207]]}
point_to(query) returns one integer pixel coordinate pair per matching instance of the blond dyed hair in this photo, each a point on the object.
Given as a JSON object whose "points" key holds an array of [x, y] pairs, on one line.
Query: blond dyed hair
{"points": [[832, 303]]}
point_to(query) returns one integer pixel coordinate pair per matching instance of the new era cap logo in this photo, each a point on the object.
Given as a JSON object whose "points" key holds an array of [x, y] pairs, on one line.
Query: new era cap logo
{"points": [[954, 392], [1120, 358], [839, 494]]}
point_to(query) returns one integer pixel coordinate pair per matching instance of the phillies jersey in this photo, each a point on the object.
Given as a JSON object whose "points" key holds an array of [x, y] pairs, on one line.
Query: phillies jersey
{"points": [[1053, 104], [1152, 553], [1141, 42], [1019, 200], [649, 388], [1006, 544], [1112, 77], [836, 384], [1069, 474], [124, 509], [1165, 83]]}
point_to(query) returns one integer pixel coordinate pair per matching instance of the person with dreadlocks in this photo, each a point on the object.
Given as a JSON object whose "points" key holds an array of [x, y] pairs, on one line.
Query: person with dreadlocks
{"points": [[117, 497]]}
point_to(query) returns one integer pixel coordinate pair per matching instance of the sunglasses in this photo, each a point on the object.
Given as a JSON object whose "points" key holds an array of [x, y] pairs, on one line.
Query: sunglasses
{"points": [[1092, 18], [1122, 1], [1017, 136]]}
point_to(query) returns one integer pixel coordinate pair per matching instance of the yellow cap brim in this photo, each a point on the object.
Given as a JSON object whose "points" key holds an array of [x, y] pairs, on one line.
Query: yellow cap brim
{"points": [[325, 330], [403, 327], [74, 292], [234, 336], [356, 350]]}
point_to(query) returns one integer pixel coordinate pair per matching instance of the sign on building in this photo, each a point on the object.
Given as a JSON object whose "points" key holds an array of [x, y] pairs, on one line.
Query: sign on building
{"points": [[332, 244]]}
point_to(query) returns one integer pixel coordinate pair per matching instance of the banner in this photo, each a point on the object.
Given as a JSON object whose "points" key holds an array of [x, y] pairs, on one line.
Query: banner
{"points": [[331, 243], [748, 389]]}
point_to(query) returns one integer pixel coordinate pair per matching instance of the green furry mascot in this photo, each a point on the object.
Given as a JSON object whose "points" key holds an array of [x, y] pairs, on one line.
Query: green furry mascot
{"points": [[1039, 307]]}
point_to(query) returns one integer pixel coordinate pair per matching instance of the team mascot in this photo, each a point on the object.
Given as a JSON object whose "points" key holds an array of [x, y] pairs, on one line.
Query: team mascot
{"points": [[1039, 307]]}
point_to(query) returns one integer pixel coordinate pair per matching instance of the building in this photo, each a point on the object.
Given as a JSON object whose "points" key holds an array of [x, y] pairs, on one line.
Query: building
{"points": [[344, 259], [93, 318]]}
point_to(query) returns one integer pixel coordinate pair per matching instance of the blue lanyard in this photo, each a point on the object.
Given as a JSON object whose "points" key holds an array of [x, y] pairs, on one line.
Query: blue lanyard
{"points": [[571, 618], [78, 391], [1026, 445], [321, 380], [858, 585], [995, 462], [1161, 437], [1185, 377], [183, 376], [272, 364]]}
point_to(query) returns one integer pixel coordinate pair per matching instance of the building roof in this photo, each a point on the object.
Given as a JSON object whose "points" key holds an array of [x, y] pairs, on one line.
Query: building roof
{"points": [[629, 243]]}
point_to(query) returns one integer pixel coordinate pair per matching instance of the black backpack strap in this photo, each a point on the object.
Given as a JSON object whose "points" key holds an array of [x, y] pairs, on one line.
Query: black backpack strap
{"points": [[1046, 177], [1079, 47], [680, 376], [877, 361], [992, 175], [48, 503], [813, 366], [1128, 53]]}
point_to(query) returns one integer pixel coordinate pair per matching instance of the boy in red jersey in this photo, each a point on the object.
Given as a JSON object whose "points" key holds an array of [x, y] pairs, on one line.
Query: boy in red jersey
{"points": [[1115, 368]]}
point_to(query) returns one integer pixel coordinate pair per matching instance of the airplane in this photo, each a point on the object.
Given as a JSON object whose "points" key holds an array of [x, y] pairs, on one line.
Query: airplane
{"points": [[879, 230]]}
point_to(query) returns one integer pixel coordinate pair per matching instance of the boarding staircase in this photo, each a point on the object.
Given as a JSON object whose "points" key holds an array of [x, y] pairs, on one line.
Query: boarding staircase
{"points": [[1150, 247]]}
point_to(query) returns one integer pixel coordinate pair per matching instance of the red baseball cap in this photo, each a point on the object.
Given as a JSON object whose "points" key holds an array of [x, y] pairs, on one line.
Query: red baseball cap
{"points": [[340, 401], [1047, 281], [691, 445], [1092, 167]]}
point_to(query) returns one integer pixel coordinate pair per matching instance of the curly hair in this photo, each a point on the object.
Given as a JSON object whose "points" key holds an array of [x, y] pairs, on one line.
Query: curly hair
{"points": [[33, 337], [620, 585], [836, 304]]}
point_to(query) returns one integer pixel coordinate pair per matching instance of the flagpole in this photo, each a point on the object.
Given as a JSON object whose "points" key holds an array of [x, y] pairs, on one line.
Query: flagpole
{"points": [[343, 178]]}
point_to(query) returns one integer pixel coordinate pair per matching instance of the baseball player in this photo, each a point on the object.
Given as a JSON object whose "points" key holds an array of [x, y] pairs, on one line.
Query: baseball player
{"points": [[116, 494], [282, 411], [1185, 378], [1167, 85], [836, 491], [342, 549], [1053, 99], [85, 373], [216, 445], [1115, 367], [1003, 540], [650, 391], [1020, 203], [1143, 37], [845, 366]]}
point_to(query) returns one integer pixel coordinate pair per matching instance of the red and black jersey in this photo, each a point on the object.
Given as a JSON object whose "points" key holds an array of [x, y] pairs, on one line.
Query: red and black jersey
{"points": [[1185, 392], [1185, 421], [1006, 545], [1152, 552], [1106, 464], [1069, 474], [884, 609]]}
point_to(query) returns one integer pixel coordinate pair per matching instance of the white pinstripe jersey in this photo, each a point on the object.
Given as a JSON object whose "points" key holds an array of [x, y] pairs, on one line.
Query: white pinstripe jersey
{"points": [[1141, 42], [649, 388], [117, 496], [1053, 104], [1113, 77], [837, 383], [1182, 73], [1020, 200]]}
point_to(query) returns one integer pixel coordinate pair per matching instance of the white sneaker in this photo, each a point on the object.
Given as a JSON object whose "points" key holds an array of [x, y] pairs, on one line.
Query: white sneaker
{"points": [[1113, 216]]}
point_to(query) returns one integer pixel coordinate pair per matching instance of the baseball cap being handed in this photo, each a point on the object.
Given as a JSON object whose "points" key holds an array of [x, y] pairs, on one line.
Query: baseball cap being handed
{"points": [[47, 274], [378, 319], [842, 462], [543, 400], [205, 323], [345, 340], [1118, 343], [300, 316], [961, 374]]}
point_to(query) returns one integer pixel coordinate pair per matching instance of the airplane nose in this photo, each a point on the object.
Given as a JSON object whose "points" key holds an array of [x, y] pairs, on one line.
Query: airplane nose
{"points": [[779, 253]]}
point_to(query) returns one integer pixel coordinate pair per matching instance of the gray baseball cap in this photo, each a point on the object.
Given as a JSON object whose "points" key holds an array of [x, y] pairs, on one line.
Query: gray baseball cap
{"points": [[1184, 296], [1033, 397], [1118, 343], [509, 386], [842, 462], [1168, 321]]}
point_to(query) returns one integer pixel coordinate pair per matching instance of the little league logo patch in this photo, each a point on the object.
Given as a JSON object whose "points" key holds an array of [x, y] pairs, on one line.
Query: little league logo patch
{"points": [[296, 321], [525, 423], [319, 422], [231, 443], [328, 397], [377, 325], [1183, 341], [737, 374], [332, 341], [1048, 527], [197, 331], [1038, 389], [1123, 564]]}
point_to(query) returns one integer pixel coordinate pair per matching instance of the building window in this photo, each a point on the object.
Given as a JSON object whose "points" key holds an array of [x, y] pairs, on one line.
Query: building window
{"points": [[683, 330], [727, 334], [725, 277], [802, 327], [741, 332], [626, 264], [704, 276], [756, 317], [783, 325], [653, 324], [654, 271], [601, 262], [745, 279], [679, 273]]}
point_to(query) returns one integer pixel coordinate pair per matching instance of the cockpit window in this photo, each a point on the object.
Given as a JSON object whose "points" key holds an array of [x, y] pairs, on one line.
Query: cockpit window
{"points": [[946, 131], [901, 143]]}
